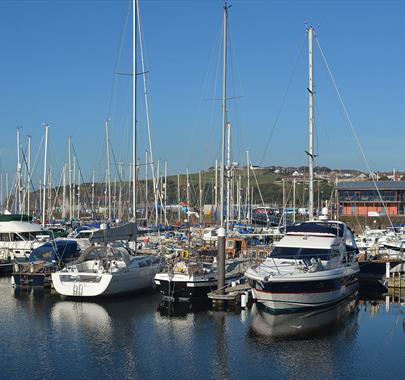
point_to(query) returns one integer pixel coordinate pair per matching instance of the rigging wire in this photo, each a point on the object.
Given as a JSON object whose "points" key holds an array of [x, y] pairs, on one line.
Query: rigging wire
{"points": [[283, 100], [349, 122]]}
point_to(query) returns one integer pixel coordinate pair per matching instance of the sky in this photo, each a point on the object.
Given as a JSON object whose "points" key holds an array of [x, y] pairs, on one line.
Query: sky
{"points": [[61, 62]]}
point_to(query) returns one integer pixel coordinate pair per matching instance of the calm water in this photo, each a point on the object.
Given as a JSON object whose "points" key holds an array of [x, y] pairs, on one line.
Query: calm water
{"points": [[46, 337]]}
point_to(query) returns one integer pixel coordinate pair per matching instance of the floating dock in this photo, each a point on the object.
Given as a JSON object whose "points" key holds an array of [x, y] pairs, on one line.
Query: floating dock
{"points": [[233, 294]]}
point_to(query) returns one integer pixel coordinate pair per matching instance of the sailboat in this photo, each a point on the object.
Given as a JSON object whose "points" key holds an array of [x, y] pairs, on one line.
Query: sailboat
{"points": [[195, 278], [107, 267], [314, 264]]}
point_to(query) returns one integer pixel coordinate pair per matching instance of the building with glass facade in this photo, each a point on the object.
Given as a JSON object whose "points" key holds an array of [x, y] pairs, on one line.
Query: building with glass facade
{"points": [[363, 198]]}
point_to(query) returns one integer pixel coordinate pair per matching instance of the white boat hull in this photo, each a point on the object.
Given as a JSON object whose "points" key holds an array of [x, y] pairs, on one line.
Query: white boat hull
{"points": [[317, 294], [103, 284]]}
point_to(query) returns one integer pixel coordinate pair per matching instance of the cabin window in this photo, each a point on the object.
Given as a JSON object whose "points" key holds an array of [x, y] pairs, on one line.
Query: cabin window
{"points": [[4, 237], [16, 237], [300, 253], [335, 252], [229, 244]]}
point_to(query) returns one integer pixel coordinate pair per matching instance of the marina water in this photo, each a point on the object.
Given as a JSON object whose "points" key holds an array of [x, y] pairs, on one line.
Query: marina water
{"points": [[141, 337]]}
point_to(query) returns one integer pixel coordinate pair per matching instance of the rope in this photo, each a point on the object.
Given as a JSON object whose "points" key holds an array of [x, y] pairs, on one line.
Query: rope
{"points": [[283, 100], [349, 122]]}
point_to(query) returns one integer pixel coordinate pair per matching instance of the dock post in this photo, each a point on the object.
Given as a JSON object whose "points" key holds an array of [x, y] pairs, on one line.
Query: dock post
{"points": [[243, 300], [221, 260]]}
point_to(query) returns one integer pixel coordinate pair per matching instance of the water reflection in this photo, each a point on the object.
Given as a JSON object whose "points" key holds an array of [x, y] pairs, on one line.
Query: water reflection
{"points": [[306, 325], [168, 309]]}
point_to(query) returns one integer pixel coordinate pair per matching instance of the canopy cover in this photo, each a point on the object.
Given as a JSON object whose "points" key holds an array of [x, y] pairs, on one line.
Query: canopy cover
{"points": [[57, 250]]}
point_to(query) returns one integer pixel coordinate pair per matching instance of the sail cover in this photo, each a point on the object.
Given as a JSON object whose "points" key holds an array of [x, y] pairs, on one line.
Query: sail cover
{"points": [[127, 232]]}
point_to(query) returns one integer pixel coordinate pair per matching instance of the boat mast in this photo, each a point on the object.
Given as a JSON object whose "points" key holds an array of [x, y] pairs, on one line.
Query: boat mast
{"points": [[64, 192], [108, 169], [216, 188], [7, 192], [134, 25], [294, 200], [92, 197], [18, 171], [145, 88], [74, 186], [29, 176], [222, 171], [221, 231], [70, 175], [165, 194], [78, 190], [248, 187], [178, 197], [228, 175], [49, 211], [311, 126], [200, 197], [188, 197], [44, 183], [146, 187]]}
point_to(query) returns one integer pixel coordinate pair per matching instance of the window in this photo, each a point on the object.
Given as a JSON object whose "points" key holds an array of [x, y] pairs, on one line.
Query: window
{"points": [[4, 237], [300, 253]]}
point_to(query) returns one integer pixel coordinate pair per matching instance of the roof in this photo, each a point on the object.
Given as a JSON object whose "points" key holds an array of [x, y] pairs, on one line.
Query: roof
{"points": [[370, 185], [313, 227], [14, 226], [300, 241]]}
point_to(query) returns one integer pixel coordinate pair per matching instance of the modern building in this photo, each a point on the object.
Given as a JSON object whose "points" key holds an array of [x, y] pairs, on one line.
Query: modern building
{"points": [[371, 198]]}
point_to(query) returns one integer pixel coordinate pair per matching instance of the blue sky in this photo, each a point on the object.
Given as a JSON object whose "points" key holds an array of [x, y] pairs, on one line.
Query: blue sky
{"points": [[59, 59]]}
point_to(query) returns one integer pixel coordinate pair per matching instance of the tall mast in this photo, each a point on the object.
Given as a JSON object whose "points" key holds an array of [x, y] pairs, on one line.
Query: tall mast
{"points": [[74, 186], [224, 79], [311, 126], [178, 196], [238, 191], [7, 192], [120, 192], [29, 176], [188, 197], [92, 197], [146, 187], [134, 25], [108, 169], [165, 194], [49, 211], [228, 175], [284, 210], [78, 191], [158, 196], [64, 192], [145, 88], [248, 186], [216, 187], [18, 171], [221, 231], [294, 201], [44, 183], [70, 175], [200, 197]]}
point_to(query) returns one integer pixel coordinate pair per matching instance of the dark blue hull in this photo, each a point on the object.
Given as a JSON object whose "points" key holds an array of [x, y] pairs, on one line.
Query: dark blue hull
{"points": [[32, 279]]}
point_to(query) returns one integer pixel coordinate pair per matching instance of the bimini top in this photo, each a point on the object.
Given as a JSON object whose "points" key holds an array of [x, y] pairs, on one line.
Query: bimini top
{"points": [[104, 252], [15, 218], [330, 228], [14, 226], [58, 250]]}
